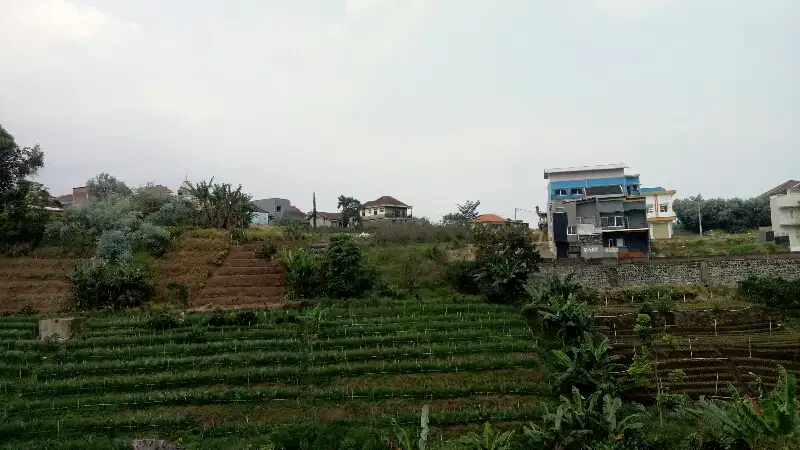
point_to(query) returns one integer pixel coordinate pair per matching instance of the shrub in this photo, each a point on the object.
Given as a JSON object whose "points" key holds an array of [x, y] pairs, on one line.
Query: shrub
{"points": [[301, 273], [238, 236], [391, 291], [179, 291], [434, 253], [244, 318], [218, 319], [505, 257], [152, 239], [174, 213], [461, 276], [771, 291], [114, 247], [342, 268], [107, 285], [163, 322], [267, 251]]}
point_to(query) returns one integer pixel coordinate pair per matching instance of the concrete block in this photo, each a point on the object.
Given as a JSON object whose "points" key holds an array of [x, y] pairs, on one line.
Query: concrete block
{"points": [[60, 328], [152, 444]]}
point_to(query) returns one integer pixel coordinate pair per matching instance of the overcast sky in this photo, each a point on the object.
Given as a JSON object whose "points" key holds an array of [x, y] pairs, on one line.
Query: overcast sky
{"points": [[430, 101]]}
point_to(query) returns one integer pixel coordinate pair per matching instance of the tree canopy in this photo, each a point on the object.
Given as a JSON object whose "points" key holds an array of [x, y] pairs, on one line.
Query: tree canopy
{"points": [[105, 185], [22, 202], [466, 212], [351, 210], [733, 215]]}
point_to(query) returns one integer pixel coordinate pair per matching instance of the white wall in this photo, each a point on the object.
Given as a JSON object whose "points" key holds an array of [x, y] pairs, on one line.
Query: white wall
{"points": [[654, 201]]}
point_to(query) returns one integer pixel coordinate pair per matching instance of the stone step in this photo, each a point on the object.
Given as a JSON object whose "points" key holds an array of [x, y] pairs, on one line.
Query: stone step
{"points": [[245, 280], [268, 270]]}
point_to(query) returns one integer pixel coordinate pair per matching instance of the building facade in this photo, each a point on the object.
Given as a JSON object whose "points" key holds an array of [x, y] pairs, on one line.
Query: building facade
{"points": [[596, 212], [385, 208], [274, 208], [660, 216], [785, 214], [325, 219]]}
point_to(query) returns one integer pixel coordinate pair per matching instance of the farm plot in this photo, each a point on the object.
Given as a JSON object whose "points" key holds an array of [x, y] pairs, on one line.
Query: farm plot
{"points": [[713, 348], [119, 379], [38, 284]]}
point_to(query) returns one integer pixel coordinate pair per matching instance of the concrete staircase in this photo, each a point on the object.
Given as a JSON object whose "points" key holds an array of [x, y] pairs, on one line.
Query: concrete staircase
{"points": [[243, 281]]}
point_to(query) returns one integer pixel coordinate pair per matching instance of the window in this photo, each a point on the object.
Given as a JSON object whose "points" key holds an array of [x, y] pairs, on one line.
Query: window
{"points": [[663, 207], [576, 191], [560, 192], [363, 213], [374, 211], [278, 208], [650, 209], [572, 230], [613, 221], [616, 242], [381, 210]]}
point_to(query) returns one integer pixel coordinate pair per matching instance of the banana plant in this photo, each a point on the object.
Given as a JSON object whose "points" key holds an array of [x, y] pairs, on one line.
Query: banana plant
{"points": [[773, 424], [488, 440], [590, 366], [403, 437]]}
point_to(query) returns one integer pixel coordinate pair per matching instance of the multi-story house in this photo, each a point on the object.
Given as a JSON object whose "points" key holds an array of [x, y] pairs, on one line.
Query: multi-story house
{"points": [[596, 211], [660, 216], [385, 208], [785, 214]]}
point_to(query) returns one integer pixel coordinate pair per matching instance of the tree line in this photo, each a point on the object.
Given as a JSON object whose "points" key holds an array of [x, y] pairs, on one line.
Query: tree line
{"points": [[732, 215]]}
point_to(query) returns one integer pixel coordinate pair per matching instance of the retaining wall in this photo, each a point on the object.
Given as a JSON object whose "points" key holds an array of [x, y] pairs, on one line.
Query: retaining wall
{"points": [[713, 270]]}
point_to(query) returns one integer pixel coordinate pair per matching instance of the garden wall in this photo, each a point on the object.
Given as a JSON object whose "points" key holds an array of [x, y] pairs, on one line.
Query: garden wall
{"points": [[712, 270]]}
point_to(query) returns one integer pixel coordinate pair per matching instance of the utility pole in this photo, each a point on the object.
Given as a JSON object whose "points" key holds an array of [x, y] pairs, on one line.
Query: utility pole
{"points": [[699, 216]]}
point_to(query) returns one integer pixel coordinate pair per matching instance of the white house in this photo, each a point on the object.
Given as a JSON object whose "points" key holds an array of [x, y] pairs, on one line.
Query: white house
{"points": [[660, 216], [785, 213]]}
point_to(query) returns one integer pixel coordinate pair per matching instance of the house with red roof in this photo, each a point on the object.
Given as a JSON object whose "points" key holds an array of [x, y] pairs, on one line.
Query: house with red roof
{"points": [[385, 208], [495, 221]]}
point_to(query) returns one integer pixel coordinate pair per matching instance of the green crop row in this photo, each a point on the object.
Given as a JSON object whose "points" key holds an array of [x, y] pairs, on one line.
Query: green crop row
{"points": [[108, 427], [50, 371], [16, 325], [207, 396], [166, 380]]}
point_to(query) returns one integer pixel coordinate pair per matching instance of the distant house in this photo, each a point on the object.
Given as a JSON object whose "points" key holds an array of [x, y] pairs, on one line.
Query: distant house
{"points": [[385, 208], [260, 217], [489, 219], [782, 188], [785, 214], [275, 208], [185, 191], [660, 215], [496, 221], [325, 219], [79, 196], [160, 189]]}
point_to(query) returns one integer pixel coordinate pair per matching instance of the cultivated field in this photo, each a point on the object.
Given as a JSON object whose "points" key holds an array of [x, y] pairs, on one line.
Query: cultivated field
{"points": [[37, 284], [223, 387], [713, 342]]}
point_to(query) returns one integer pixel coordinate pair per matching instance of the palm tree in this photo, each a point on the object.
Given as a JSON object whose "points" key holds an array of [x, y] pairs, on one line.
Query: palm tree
{"points": [[589, 367]]}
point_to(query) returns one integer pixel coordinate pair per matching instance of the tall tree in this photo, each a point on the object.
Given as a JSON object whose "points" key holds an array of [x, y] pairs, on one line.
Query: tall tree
{"points": [[221, 206], [22, 202], [314, 211], [466, 212], [17, 163], [105, 185], [351, 210]]}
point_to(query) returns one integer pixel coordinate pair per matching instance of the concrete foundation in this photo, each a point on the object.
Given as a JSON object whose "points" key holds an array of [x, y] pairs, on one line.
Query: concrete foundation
{"points": [[152, 444], [60, 328]]}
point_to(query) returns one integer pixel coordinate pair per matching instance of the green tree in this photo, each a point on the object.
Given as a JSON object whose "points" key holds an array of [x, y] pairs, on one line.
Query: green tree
{"points": [[351, 210], [505, 257], [466, 212], [733, 215], [314, 210], [221, 206], [22, 202], [105, 185]]}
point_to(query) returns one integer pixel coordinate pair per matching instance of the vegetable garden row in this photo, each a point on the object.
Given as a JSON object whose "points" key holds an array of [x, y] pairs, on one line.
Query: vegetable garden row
{"points": [[118, 378]]}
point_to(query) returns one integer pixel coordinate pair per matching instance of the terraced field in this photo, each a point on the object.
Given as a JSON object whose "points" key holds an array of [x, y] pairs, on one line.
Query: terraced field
{"points": [[37, 284], [713, 347], [222, 387]]}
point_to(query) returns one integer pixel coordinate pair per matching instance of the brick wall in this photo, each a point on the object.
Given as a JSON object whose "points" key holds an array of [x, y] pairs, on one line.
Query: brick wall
{"points": [[725, 270]]}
